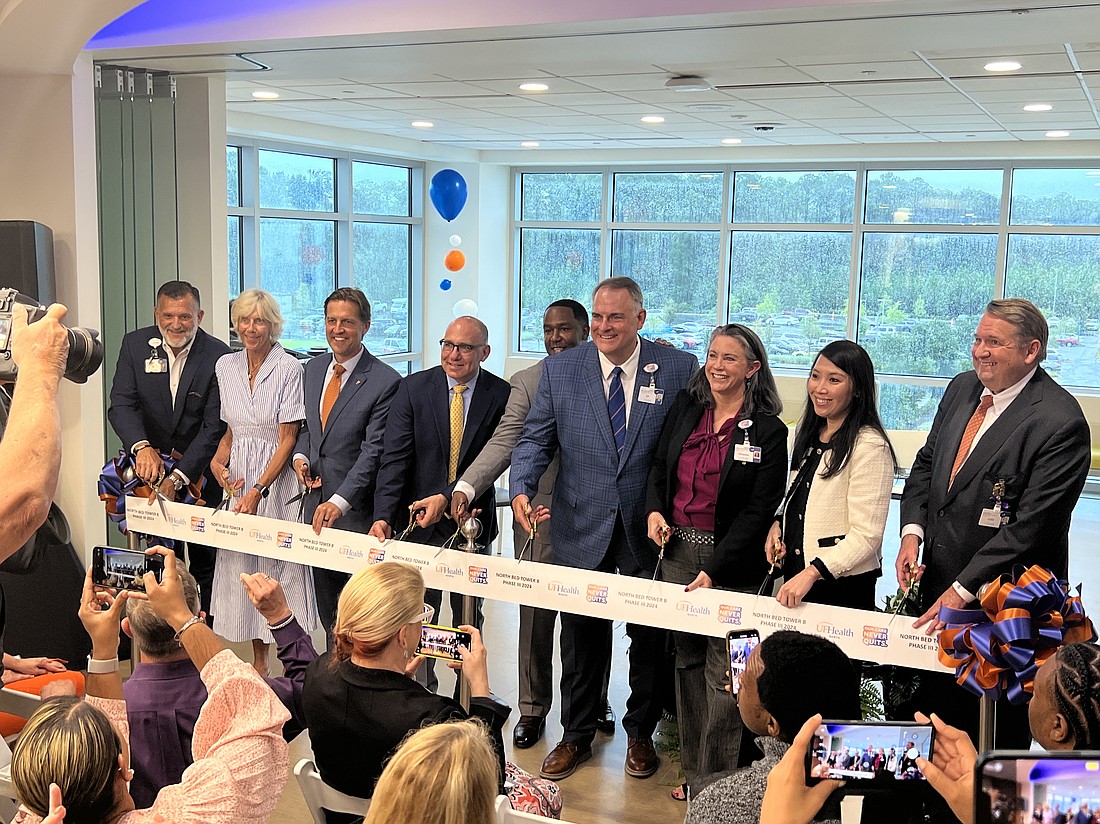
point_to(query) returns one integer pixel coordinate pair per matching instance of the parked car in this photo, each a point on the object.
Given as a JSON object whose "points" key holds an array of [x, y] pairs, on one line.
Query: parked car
{"points": [[1069, 340]]}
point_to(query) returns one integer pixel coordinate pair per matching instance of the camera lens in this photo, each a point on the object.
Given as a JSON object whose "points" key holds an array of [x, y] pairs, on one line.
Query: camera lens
{"points": [[85, 354]]}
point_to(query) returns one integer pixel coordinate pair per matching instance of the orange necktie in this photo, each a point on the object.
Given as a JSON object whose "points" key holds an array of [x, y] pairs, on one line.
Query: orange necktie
{"points": [[972, 428], [332, 391]]}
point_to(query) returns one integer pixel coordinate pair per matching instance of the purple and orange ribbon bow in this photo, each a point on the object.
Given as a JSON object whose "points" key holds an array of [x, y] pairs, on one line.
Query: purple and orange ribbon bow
{"points": [[1025, 617], [119, 479]]}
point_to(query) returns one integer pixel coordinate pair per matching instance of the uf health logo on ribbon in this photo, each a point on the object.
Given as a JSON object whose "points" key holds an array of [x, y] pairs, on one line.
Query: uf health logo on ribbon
{"points": [[376, 555], [596, 594], [198, 524], [875, 636], [479, 575], [729, 614], [285, 540]]}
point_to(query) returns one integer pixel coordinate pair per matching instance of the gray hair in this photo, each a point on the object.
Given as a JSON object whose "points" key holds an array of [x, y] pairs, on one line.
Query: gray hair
{"points": [[621, 282], [1025, 318], [761, 393]]}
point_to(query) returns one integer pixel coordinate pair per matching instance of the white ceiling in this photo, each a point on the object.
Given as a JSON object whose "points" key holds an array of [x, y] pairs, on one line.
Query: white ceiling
{"points": [[878, 73]]}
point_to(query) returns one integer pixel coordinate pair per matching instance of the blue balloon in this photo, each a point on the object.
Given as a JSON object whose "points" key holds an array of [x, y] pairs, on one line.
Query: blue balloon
{"points": [[448, 193], [444, 284]]}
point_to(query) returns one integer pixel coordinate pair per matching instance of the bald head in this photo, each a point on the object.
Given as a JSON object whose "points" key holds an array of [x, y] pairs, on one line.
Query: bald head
{"points": [[465, 346]]}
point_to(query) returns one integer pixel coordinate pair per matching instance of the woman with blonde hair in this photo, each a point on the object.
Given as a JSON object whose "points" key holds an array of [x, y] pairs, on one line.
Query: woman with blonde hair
{"points": [[445, 774], [263, 407], [360, 701]]}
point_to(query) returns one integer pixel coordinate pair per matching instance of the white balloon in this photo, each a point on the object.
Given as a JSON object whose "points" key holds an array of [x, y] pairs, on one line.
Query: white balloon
{"points": [[465, 307], [456, 241]]}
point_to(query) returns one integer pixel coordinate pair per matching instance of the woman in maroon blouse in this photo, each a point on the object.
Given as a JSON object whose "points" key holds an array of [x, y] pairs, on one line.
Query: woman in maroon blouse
{"points": [[717, 478]]}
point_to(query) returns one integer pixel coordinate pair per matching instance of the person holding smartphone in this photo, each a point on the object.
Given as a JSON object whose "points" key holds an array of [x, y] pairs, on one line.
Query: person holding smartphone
{"points": [[715, 480], [828, 533]]}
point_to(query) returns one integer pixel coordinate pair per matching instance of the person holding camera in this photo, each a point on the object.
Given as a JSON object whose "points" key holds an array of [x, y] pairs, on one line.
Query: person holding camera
{"points": [[30, 452], [361, 700], [81, 747]]}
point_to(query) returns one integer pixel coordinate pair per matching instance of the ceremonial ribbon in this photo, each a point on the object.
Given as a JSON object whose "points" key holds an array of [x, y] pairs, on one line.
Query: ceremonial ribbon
{"points": [[119, 478], [1025, 617]]}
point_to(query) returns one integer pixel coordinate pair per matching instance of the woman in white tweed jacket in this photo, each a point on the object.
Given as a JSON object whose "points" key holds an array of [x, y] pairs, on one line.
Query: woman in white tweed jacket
{"points": [[828, 532]]}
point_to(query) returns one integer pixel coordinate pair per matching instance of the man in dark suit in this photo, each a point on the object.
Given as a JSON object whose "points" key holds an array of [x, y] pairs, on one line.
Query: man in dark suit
{"points": [[336, 457], [165, 397], [439, 421], [601, 406], [994, 485]]}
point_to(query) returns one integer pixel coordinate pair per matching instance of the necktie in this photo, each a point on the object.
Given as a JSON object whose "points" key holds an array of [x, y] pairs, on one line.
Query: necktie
{"points": [[332, 391], [456, 432], [972, 428], [616, 408]]}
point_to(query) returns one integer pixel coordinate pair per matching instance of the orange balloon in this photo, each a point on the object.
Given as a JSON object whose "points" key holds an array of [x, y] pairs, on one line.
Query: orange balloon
{"points": [[454, 261]]}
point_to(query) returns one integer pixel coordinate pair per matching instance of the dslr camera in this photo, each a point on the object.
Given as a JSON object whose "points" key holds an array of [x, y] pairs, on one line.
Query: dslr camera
{"points": [[85, 347]]}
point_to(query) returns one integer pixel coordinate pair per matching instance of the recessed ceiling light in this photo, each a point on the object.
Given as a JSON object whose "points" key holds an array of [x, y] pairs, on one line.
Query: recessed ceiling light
{"points": [[1057, 133], [530, 144], [262, 95], [730, 141], [422, 124], [1002, 66], [653, 118], [1038, 107], [533, 87]]}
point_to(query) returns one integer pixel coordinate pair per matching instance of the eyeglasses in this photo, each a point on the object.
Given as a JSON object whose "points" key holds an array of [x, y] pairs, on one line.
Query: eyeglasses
{"points": [[464, 348], [425, 616]]}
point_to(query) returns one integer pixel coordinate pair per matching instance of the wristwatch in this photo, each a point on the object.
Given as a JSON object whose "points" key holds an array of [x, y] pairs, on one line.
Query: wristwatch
{"points": [[263, 490], [177, 481]]}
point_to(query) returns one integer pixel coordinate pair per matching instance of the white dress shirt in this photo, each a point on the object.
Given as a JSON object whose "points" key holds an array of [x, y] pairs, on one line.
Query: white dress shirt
{"points": [[628, 378]]}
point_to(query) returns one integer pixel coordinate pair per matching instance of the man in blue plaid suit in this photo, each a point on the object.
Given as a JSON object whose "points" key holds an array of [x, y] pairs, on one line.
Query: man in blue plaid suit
{"points": [[602, 404]]}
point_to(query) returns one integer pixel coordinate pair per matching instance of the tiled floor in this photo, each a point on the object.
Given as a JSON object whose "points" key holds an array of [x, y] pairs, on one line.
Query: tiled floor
{"points": [[600, 791]]}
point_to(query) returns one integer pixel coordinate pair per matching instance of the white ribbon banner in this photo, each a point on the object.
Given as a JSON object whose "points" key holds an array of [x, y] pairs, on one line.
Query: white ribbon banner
{"points": [[865, 635]]}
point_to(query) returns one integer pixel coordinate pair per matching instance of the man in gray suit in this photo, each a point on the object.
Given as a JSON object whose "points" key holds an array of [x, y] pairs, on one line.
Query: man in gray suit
{"points": [[336, 457], [564, 326]]}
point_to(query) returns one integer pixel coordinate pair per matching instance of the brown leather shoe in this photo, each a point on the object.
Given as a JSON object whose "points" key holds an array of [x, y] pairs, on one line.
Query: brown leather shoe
{"points": [[641, 758], [564, 759]]}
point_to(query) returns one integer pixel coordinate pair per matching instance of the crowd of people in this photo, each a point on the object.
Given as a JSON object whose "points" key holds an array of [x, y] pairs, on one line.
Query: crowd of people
{"points": [[643, 463]]}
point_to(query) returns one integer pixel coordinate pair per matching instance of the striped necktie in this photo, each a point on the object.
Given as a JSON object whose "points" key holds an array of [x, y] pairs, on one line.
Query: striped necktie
{"points": [[456, 432], [616, 408], [969, 434]]}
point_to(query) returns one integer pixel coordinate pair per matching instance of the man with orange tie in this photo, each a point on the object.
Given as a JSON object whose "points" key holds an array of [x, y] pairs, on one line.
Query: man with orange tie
{"points": [[439, 421], [993, 486], [336, 457]]}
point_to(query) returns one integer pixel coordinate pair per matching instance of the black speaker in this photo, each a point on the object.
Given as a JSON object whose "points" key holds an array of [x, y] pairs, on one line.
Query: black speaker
{"points": [[26, 259]]}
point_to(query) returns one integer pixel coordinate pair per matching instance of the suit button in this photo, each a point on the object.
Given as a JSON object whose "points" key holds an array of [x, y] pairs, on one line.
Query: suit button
{"points": [[941, 512]]}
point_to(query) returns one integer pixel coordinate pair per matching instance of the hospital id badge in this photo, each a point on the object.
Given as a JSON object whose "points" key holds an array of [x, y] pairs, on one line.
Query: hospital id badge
{"points": [[745, 453], [155, 366], [990, 517], [651, 394]]}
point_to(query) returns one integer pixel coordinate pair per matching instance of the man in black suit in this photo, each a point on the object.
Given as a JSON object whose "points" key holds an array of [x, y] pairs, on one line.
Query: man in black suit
{"points": [[421, 458], [994, 485], [165, 397], [341, 441]]}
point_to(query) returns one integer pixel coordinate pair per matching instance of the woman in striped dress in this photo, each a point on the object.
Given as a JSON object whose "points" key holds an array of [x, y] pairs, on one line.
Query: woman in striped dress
{"points": [[262, 403]]}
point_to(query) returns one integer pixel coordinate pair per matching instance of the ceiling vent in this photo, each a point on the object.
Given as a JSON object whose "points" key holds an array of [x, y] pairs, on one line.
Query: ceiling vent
{"points": [[688, 83]]}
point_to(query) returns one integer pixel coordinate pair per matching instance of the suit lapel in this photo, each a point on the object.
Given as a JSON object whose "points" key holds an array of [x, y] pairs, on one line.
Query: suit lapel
{"points": [[594, 384], [439, 402], [190, 366], [314, 390], [953, 435], [354, 383], [994, 438], [479, 411], [640, 411]]}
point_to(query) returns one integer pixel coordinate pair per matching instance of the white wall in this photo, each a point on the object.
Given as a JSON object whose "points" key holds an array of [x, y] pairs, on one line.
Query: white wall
{"points": [[48, 174]]}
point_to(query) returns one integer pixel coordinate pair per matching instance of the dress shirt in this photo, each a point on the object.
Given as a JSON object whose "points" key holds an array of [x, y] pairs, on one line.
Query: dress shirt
{"points": [[1001, 401], [175, 367], [629, 376], [349, 366]]}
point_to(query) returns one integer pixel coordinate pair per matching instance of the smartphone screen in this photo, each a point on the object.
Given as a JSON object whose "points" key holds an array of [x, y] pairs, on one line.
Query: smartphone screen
{"points": [[114, 568], [880, 751], [442, 642], [739, 644], [1018, 786]]}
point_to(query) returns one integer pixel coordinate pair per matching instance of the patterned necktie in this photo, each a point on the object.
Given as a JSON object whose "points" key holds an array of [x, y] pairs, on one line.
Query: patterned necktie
{"points": [[968, 436], [616, 408], [456, 432], [332, 391]]}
